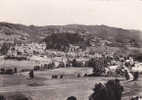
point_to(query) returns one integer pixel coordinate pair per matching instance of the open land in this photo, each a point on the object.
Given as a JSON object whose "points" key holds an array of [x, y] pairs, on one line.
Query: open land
{"points": [[42, 87]]}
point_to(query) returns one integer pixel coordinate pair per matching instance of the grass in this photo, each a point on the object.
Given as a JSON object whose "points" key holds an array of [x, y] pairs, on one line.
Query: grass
{"points": [[60, 89], [57, 89], [42, 87]]}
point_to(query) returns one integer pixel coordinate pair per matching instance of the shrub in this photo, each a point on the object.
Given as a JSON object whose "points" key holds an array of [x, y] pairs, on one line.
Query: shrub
{"points": [[19, 96], [61, 65], [76, 63], [5, 47], [98, 65], [36, 68], [9, 71], [2, 97], [51, 65], [71, 98], [112, 90]]}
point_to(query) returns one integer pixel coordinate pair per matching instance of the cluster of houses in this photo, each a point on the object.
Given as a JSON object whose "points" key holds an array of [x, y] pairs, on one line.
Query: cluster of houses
{"points": [[52, 58], [27, 49], [38, 52], [39, 49]]}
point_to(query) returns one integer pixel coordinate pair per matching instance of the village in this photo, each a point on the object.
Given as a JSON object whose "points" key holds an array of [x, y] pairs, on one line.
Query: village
{"points": [[43, 58], [29, 63], [38, 51]]}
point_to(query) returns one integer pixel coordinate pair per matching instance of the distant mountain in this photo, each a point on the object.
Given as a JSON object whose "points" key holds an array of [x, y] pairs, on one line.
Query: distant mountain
{"points": [[90, 35]]}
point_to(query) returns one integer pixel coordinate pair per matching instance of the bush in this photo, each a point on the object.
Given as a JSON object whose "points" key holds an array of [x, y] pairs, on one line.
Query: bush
{"points": [[112, 90], [71, 98], [2, 71], [98, 65], [5, 47], [136, 75], [61, 65], [9, 71], [36, 68], [76, 63], [25, 70], [51, 65], [19, 96], [15, 58], [2, 97]]}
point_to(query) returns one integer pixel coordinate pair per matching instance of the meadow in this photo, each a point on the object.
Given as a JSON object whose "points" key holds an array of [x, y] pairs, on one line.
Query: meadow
{"points": [[44, 87]]}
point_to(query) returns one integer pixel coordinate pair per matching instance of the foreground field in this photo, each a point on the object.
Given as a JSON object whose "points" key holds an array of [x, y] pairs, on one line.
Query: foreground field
{"points": [[43, 88]]}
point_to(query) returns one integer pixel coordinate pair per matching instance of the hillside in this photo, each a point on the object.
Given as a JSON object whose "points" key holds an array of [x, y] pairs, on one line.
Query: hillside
{"points": [[90, 35]]}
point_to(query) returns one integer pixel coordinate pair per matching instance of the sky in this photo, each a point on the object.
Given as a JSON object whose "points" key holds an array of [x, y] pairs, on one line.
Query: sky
{"points": [[118, 13]]}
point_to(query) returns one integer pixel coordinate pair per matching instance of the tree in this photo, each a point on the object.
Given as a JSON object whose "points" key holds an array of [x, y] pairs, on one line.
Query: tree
{"points": [[31, 74], [98, 65], [5, 47], [74, 63], [2, 97], [112, 90], [62, 41], [71, 98]]}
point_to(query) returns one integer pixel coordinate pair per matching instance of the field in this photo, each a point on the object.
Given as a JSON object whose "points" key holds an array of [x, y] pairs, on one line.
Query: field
{"points": [[43, 87]]}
